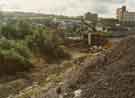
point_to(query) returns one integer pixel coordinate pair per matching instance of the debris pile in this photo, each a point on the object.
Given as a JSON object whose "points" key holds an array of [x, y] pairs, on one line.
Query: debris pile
{"points": [[107, 75]]}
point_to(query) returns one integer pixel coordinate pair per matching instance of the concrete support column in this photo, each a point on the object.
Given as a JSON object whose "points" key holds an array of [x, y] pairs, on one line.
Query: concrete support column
{"points": [[89, 38]]}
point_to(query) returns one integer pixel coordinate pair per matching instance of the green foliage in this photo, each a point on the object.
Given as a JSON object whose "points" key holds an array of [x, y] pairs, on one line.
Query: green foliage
{"points": [[108, 34], [16, 29], [14, 56], [20, 41], [46, 43], [16, 46]]}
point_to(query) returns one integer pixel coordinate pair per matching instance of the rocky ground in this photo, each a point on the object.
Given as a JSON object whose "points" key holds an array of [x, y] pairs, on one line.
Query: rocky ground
{"points": [[109, 73]]}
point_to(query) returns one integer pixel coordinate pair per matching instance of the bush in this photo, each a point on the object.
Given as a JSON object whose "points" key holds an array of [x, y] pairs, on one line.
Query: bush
{"points": [[47, 43], [18, 29], [14, 56], [20, 40]]}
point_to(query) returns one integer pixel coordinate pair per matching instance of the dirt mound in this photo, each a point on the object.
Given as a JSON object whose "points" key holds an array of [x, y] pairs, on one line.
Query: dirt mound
{"points": [[107, 75]]}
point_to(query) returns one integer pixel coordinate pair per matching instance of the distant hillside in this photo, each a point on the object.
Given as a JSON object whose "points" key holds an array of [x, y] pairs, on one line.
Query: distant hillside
{"points": [[34, 15]]}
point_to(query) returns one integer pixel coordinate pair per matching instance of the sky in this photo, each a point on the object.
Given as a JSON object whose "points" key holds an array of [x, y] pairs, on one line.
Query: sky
{"points": [[105, 8]]}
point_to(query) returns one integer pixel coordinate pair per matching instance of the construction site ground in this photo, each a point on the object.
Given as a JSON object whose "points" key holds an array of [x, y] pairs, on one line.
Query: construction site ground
{"points": [[104, 73]]}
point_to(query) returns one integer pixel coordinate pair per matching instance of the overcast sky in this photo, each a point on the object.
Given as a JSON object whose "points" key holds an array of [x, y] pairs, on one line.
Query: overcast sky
{"points": [[106, 8]]}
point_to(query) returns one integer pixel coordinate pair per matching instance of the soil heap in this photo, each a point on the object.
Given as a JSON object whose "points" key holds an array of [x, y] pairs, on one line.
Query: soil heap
{"points": [[110, 74]]}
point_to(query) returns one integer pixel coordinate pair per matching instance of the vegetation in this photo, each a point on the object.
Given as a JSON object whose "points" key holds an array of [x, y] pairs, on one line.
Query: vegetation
{"points": [[14, 56], [107, 34], [20, 41]]}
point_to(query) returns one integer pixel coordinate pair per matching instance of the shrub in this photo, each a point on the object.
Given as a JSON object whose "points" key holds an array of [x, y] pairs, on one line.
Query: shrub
{"points": [[14, 56], [47, 43], [18, 29]]}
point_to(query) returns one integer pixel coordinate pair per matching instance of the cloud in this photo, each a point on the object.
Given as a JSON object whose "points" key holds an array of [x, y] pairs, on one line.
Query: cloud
{"points": [[105, 8]]}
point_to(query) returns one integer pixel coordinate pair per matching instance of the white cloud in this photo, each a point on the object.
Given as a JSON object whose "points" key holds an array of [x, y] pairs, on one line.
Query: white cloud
{"points": [[67, 7]]}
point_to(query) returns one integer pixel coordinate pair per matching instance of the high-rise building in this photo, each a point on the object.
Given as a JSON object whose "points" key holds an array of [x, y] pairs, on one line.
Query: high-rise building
{"points": [[125, 16], [120, 13]]}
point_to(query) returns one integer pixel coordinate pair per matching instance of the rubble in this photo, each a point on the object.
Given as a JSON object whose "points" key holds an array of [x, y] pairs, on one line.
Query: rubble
{"points": [[108, 75]]}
